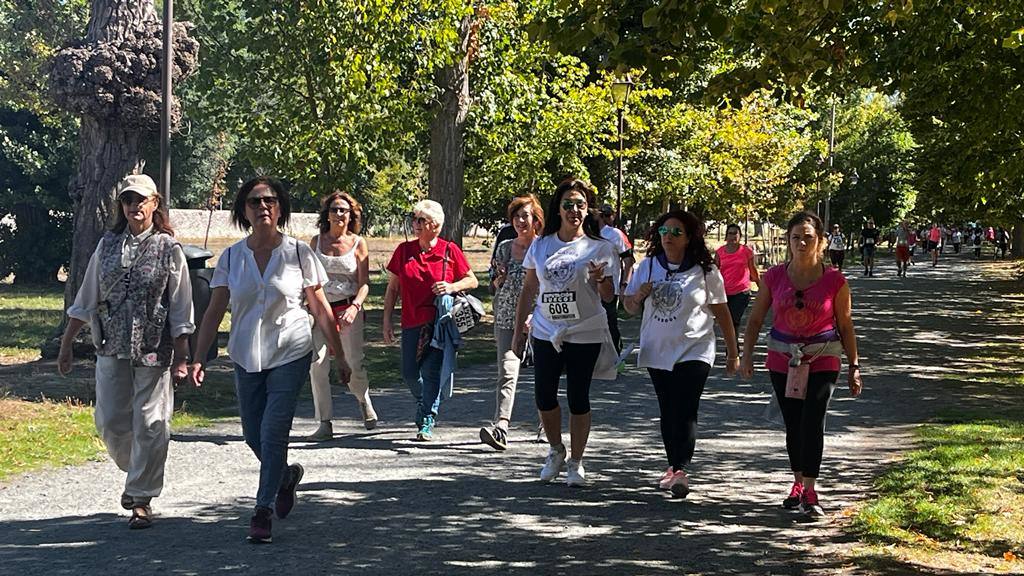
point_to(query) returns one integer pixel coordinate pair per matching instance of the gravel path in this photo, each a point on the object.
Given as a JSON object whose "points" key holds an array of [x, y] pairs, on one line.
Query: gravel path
{"points": [[378, 503]]}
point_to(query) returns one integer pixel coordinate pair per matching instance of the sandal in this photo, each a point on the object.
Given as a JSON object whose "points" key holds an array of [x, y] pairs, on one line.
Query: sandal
{"points": [[142, 518]]}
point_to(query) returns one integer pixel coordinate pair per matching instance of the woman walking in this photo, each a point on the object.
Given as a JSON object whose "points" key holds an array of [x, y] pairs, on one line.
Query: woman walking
{"points": [[527, 218], [568, 275], [345, 257], [267, 278], [681, 295], [738, 266], [421, 270], [813, 327], [137, 296]]}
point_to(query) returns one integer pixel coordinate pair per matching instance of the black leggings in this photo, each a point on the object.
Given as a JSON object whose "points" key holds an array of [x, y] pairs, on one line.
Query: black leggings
{"points": [[679, 397], [578, 360], [737, 304], [805, 420]]}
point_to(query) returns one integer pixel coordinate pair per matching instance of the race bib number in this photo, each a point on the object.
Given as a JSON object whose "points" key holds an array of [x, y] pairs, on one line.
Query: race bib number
{"points": [[559, 306], [869, 241]]}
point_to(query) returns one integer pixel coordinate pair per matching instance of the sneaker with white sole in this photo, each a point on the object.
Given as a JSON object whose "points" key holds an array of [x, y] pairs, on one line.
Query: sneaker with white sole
{"points": [[809, 505], [553, 464], [575, 475], [678, 484], [663, 481]]}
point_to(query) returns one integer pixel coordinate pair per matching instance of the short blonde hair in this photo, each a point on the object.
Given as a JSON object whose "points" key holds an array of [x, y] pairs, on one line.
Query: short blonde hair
{"points": [[431, 210]]}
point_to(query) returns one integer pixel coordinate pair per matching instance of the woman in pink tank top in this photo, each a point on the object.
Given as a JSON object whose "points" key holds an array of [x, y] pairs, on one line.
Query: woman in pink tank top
{"points": [[811, 307], [736, 262]]}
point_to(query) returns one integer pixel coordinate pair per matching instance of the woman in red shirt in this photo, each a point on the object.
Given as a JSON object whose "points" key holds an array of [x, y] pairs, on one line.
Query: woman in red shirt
{"points": [[739, 269], [812, 327], [421, 270]]}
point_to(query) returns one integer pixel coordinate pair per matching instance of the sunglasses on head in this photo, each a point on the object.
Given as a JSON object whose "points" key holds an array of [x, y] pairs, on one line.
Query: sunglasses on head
{"points": [[675, 231], [570, 204], [255, 201], [799, 299]]}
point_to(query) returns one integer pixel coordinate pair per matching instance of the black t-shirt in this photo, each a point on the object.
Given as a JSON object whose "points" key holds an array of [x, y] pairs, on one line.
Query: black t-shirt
{"points": [[869, 237]]}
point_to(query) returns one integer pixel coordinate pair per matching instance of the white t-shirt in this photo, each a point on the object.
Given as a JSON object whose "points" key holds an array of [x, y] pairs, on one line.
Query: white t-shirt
{"points": [[618, 239], [565, 297], [269, 325], [836, 242], [678, 324]]}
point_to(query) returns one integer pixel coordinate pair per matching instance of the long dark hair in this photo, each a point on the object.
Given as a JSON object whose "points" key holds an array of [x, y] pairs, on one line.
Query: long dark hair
{"points": [[553, 218], [355, 217], [696, 249], [283, 202], [161, 219]]}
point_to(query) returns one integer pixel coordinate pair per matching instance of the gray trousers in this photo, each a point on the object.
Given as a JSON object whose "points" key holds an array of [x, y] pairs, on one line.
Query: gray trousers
{"points": [[508, 377], [320, 370], [133, 416]]}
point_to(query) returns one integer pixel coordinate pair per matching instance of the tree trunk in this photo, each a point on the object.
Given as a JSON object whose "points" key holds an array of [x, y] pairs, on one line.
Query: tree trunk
{"points": [[1017, 239], [107, 151], [446, 173]]}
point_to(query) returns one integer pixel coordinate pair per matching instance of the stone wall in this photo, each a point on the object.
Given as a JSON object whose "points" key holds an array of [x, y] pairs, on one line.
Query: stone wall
{"points": [[191, 224]]}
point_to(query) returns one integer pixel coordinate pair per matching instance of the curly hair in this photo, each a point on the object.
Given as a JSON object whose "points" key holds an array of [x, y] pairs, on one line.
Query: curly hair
{"points": [[696, 249]]}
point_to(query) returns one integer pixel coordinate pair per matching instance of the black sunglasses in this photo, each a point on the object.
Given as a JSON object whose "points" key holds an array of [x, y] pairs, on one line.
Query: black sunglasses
{"points": [[799, 300], [340, 210], [255, 201]]}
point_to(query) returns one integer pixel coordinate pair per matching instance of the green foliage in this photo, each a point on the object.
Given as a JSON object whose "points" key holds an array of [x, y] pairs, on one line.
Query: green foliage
{"points": [[45, 434]]}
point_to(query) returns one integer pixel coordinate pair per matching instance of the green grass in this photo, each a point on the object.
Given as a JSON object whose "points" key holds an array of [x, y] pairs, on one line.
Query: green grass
{"points": [[28, 315], [960, 494], [40, 434]]}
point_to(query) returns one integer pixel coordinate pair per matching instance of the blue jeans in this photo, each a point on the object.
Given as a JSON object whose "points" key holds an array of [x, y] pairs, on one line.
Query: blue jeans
{"points": [[266, 403], [423, 378]]}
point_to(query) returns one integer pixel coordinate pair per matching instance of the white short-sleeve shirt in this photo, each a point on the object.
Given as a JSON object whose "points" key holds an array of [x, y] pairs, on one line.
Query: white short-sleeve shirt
{"points": [[562, 270], [618, 239], [270, 326], [678, 324]]}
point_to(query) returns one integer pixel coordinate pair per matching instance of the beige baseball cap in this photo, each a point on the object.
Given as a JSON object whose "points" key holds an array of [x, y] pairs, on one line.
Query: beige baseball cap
{"points": [[140, 184]]}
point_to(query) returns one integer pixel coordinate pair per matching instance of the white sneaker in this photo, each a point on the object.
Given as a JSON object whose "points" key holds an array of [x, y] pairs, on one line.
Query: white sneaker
{"points": [[575, 474], [553, 464]]}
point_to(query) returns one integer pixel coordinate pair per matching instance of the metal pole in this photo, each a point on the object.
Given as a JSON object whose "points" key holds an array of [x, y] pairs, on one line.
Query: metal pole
{"points": [[831, 154], [165, 117], [618, 199]]}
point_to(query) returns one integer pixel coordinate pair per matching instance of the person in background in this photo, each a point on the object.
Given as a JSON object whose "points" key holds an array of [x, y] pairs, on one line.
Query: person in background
{"points": [[738, 266], [269, 279], [137, 296], [527, 217], [934, 239], [812, 327], [345, 257], [868, 244], [421, 270], [837, 247], [621, 273], [957, 237], [682, 295], [568, 274], [903, 247]]}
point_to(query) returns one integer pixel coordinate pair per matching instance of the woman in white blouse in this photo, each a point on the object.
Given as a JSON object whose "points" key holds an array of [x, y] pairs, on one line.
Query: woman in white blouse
{"points": [[345, 257], [682, 295], [269, 278]]}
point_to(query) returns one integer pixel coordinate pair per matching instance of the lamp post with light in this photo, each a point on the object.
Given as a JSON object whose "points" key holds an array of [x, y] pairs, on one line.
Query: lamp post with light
{"points": [[621, 89]]}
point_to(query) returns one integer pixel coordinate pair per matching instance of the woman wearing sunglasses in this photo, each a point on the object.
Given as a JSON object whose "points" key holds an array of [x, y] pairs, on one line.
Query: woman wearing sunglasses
{"points": [[137, 296], [813, 327], [682, 295], [345, 258], [568, 273], [269, 279], [421, 270]]}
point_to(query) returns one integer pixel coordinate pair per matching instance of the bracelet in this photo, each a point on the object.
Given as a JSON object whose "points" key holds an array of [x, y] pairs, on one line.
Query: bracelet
{"points": [[357, 305], [732, 357], [854, 366]]}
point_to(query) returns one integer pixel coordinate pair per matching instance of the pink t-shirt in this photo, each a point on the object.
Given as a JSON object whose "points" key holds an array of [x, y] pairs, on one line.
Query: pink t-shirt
{"points": [[816, 316], [735, 269], [935, 234]]}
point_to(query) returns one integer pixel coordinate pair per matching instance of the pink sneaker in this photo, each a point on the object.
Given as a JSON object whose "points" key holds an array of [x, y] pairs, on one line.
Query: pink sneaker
{"points": [[678, 484], [793, 500], [663, 481]]}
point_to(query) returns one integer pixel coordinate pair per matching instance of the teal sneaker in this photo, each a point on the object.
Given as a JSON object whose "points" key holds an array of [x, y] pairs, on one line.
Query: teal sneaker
{"points": [[426, 433]]}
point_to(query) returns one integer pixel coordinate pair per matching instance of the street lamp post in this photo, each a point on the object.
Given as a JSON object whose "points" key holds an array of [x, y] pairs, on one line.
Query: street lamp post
{"points": [[165, 116], [621, 89]]}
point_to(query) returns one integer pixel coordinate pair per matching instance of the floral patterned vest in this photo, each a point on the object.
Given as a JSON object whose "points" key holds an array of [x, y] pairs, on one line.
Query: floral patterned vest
{"points": [[133, 301]]}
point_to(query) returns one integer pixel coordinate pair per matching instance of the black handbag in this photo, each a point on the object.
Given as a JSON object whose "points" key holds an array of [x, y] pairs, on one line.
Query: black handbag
{"points": [[467, 309]]}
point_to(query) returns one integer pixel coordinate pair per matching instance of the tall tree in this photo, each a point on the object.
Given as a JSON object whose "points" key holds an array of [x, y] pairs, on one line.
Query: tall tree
{"points": [[111, 79]]}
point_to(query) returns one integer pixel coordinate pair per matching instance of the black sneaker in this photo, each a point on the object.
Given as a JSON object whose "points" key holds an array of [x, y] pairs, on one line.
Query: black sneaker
{"points": [[494, 437], [793, 500], [285, 500], [259, 527]]}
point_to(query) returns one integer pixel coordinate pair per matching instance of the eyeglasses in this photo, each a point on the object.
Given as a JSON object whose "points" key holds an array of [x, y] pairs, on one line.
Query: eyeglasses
{"points": [[420, 220], [339, 210], [799, 299], [571, 204], [133, 198], [675, 231], [256, 201]]}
